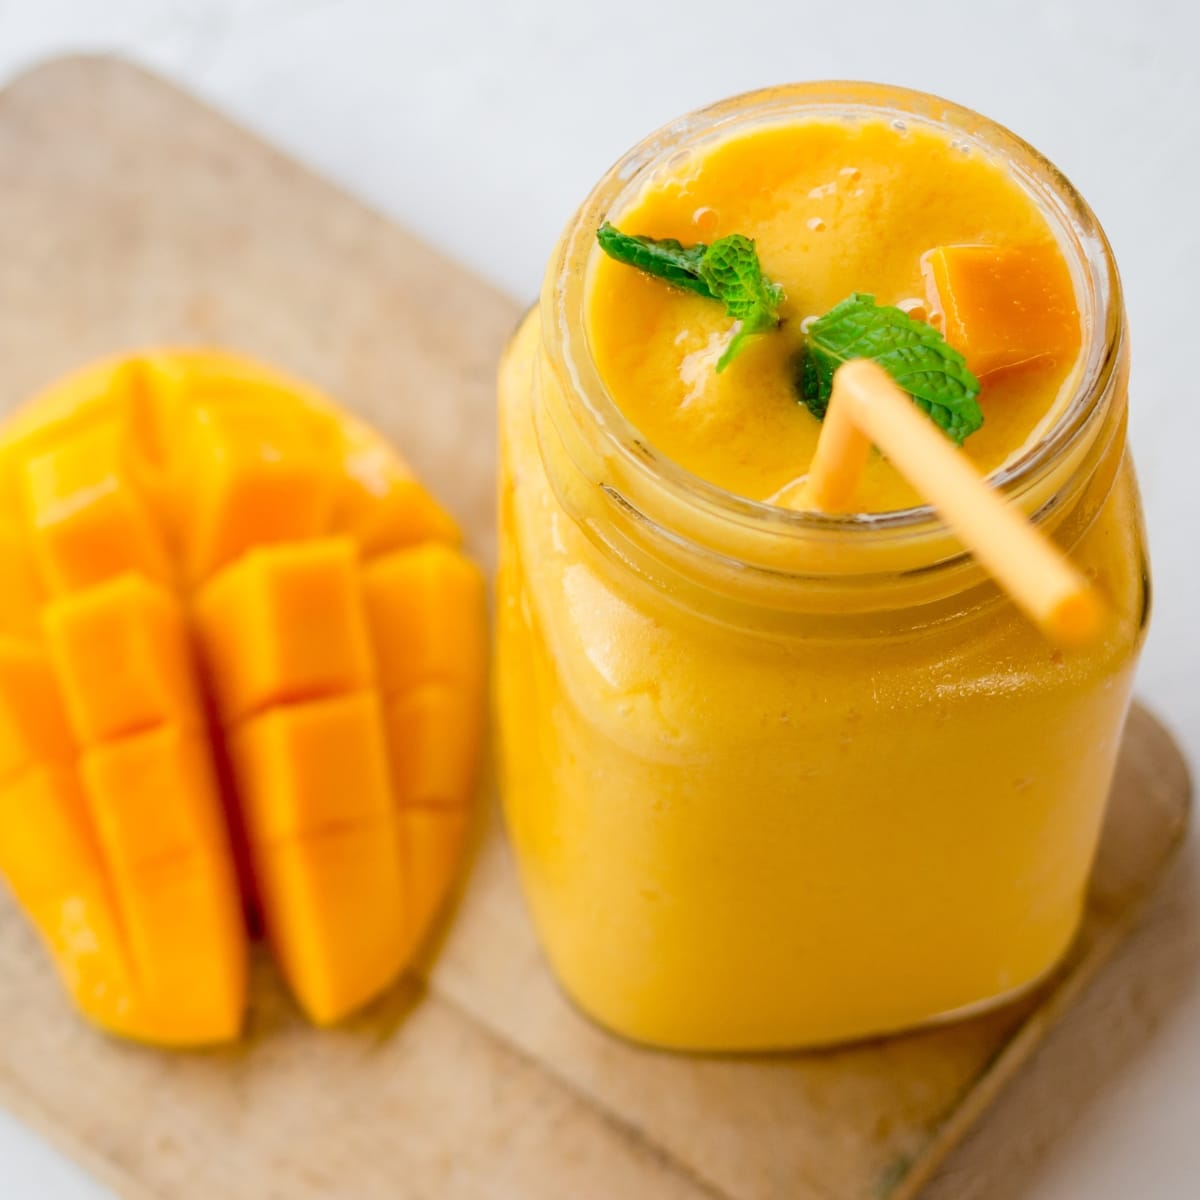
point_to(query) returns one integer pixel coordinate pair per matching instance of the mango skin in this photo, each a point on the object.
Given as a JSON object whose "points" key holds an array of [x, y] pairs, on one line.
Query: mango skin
{"points": [[242, 666]]}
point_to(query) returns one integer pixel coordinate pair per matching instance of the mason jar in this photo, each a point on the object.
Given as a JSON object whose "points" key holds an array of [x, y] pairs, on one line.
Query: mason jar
{"points": [[775, 778]]}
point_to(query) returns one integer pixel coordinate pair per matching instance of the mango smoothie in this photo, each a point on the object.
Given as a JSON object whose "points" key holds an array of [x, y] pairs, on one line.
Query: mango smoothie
{"points": [[834, 207], [778, 778]]}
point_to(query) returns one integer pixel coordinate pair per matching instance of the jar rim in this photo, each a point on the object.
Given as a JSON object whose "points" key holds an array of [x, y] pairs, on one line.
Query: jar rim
{"points": [[563, 303]]}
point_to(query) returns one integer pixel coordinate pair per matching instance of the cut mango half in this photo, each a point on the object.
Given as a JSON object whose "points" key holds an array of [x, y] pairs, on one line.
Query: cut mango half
{"points": [[242, 665], [1003, 306]]}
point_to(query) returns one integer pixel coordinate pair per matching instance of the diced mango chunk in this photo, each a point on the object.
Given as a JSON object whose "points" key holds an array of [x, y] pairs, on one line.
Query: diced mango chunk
{"points": [[33, 724], [123, 657], [185, 935], [433, 841], [150, 392], [81, 927], [81, 400], [305, 768], [434, 735], [1001, 307], [425, 607], [54, 867], [46, 843], [285, 623], [335, 911], [87, 518], [255, 476], [153, 798], [20, 592], [382, 505]]}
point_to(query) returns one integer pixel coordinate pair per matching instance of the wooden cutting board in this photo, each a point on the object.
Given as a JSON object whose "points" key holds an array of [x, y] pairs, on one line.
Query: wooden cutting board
{"points": [[131, 214]]}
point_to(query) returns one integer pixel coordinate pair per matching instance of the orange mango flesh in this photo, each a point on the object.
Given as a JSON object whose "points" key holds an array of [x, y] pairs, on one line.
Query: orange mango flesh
{"points": [[1003, 306], [835, 207], [229, 614]]}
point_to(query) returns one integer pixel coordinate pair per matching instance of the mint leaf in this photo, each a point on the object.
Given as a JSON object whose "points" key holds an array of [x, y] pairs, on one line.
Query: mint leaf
{"points": [[664, 258], [734, 275], [912, 352], [728, 271]]}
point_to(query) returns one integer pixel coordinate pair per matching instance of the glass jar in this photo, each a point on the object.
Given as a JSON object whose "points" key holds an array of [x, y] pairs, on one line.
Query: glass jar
{"points": [[777, 779]]}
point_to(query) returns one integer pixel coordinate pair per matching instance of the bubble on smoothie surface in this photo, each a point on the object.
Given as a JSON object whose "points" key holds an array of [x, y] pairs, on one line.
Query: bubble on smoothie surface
{"points": [[915, 307]]}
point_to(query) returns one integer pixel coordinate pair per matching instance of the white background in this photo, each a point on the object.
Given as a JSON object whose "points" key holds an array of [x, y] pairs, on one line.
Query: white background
{"points": [[480, 125]]}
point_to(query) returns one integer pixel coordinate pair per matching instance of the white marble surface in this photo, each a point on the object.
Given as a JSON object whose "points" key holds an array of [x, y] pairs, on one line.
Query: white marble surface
{"points": [[480, 124]]}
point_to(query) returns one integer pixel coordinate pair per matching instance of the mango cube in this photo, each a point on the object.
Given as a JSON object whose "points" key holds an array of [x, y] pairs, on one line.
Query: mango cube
{"points": [[81, 927], [336, 915], [123, 657], [285, 623], [20, 592], [33, 722], [87, 517], [153, 798], [383, 505], [1002, 307], [435, 745], [255, 476], [305, 768], [432, 842], [46, 844], [425, 607], [194, 986]]}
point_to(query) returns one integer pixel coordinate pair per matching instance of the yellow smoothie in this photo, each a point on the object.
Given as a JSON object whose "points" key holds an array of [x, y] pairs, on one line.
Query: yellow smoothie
{"points": [[777, 780]]}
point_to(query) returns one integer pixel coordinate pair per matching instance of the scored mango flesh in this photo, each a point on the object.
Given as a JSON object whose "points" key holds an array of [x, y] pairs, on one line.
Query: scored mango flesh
{"points": [[241, 669]]}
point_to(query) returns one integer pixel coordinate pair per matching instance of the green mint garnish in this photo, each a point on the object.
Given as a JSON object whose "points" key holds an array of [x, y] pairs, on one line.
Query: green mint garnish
{"points": [[728, 271], [734, 275], [664, 258], [912, 352]]}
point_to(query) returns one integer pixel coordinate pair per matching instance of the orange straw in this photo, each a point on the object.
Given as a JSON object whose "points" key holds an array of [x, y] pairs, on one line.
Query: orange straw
{"points": [[867, 407]]}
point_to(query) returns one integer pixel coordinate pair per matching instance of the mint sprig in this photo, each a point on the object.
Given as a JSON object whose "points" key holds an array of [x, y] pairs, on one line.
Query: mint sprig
{"points": [[912, 352], [734, 275], [728, 271], [664, 258]]}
